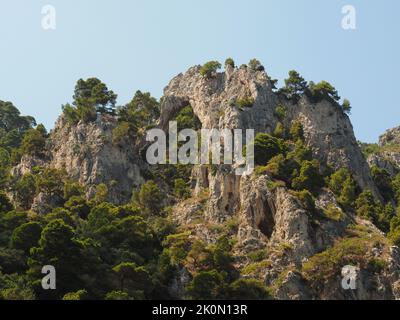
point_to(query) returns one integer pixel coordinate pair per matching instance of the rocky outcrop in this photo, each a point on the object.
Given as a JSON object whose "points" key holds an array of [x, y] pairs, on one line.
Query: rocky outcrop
{"points": [[328, 131], [390, 137], [87, 153]]}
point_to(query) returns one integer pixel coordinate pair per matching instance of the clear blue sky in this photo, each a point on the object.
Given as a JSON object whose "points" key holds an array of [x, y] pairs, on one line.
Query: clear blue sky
{"points": [[133, 45]]}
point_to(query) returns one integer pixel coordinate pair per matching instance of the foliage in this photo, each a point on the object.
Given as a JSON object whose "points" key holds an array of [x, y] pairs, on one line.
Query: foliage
{"points": [[91, 96], [346, 106], [141, 112], [210, 68], [323, 90], [151, 197], [246, 102], [256, 65], [181, 189], [295, 85], [309, 177], [229, 62], [266, 147]]}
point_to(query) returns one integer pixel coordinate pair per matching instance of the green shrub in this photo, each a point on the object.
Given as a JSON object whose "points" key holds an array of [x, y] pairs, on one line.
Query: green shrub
{"points": [[280, 112], [333, 213], [246, 102], [230, 62], [256, 65], [208, 69], [346, 106], [181, 189], [121, 132], [266, 147]]}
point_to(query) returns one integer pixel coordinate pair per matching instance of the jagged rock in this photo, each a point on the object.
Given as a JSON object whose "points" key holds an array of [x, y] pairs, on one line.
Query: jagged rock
{"points": [[390, 137], [390, 161], [26, 165], [87, 153], [328, 131], [293, 287]]}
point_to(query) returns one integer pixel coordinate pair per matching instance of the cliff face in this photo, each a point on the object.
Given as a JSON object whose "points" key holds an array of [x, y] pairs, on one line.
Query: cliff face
{"points": [[88, 154], [267, 217]]}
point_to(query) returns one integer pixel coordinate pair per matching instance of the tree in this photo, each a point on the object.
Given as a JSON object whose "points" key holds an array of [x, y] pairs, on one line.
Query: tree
{"points": [[210, 68], [137, 276], [142, 111], [206, 285], [94, 93], [323, 90], [181, 189], [366, 206], [12, 124], [248, 289], [49, 181], [151, 197], [309, 177], [5, 204], [256, 65], [25, 190], [295, 85], [26, 236], [266, 147], [186, 119], [58, 247], [33, 142], [343, 185]]}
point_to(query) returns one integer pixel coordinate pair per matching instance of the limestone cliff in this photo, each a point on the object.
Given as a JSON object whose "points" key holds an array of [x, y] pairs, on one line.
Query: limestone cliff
{"points": [[263, 216]]}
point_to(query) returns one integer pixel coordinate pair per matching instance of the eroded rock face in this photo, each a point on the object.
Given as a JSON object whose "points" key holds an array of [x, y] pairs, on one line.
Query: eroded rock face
{"points": [[270, 218], [328, 131], [88, 154], [390, 137]]}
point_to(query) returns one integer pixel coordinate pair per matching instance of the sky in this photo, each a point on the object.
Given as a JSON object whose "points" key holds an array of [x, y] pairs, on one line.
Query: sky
{"points": [[141, 45]]}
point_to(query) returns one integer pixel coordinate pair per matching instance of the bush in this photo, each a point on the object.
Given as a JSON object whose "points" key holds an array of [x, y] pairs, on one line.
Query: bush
{"points": [[246, 102], [208, 69], [248, 289], [343, 185], [121, 132], [296, 131], [309, 177], [295, 85], [78, 295], [256, 65], [346, 106], [181, 189], [333, 213], [323, 90], [229, 62], [280, 112], [206, 285], [33, 142]]}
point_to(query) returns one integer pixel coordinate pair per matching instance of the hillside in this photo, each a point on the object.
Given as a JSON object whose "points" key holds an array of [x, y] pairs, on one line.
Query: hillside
{"points": [[84, 199]]}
